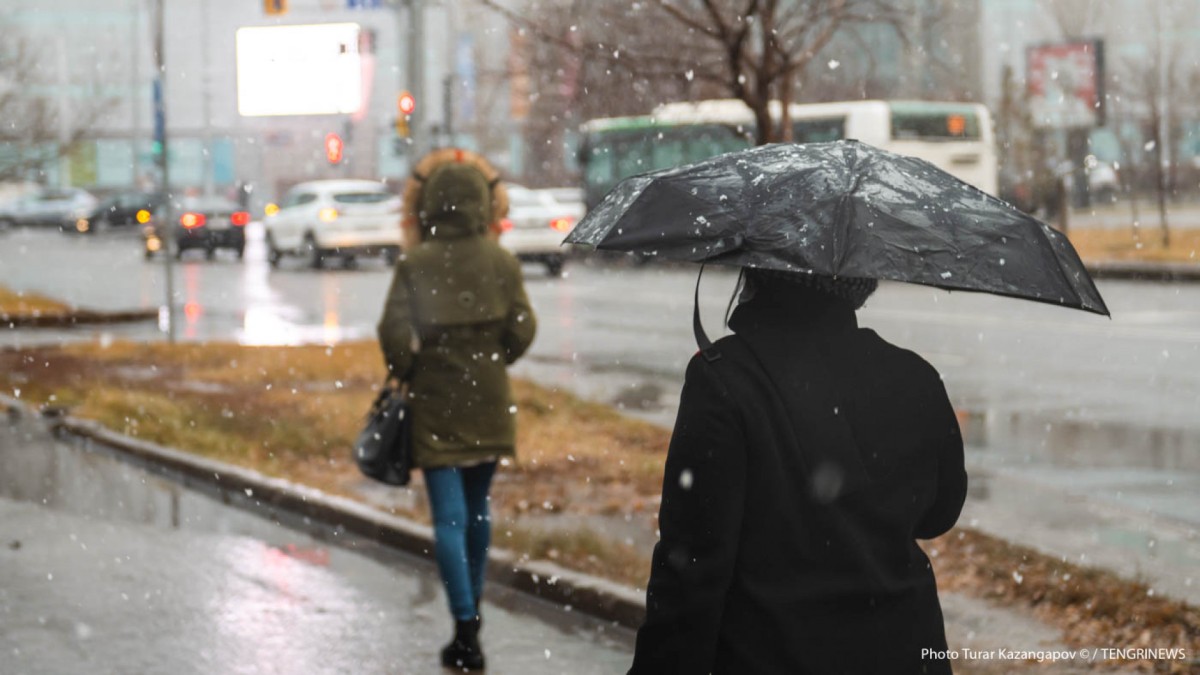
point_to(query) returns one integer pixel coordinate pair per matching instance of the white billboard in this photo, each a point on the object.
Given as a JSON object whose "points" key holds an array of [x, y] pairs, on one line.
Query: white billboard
{"points": [[299, 70]]}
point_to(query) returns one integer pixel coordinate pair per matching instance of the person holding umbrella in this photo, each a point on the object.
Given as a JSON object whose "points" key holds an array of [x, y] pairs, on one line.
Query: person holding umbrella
{"points": [[809, 455], [805, 462], [460, 298]]}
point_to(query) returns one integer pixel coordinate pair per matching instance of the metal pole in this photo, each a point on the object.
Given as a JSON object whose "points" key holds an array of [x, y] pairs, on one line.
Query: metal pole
{"points": [[135, 89], [1162, 143], [206, 95], [163, 217], [415, 72]]}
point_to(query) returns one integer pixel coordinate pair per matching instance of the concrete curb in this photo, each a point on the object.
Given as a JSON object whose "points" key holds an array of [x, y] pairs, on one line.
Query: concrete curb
{"points": [[584, 593], [76, 318]]}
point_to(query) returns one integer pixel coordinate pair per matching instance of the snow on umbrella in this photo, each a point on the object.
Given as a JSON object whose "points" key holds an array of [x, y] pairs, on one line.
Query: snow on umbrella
{"points": [[841, 209]]}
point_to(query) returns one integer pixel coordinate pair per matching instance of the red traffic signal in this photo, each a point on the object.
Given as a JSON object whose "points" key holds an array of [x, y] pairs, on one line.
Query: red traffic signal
{"points": [[405, 103], [333, 148]]}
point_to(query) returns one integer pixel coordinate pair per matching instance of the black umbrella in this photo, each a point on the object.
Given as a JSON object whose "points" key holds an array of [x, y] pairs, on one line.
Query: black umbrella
{"points": [[841, 209]]}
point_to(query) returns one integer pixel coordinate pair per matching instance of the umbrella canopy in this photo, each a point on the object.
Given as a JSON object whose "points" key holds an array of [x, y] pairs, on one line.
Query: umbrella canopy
{"points": [[841, 209]]}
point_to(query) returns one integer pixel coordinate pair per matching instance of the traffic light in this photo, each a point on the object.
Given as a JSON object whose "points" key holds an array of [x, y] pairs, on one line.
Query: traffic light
{"points": [[275, 7], [405, 103], [333, 148]]}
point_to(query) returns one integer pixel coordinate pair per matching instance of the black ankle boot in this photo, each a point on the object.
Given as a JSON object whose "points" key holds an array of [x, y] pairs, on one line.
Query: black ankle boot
{"points": [[464, 651]]}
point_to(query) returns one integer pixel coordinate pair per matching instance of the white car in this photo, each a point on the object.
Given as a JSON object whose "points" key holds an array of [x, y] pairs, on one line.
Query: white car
{"points": [[335, 218], [536, 225], [1102, 180], [53, 207]]}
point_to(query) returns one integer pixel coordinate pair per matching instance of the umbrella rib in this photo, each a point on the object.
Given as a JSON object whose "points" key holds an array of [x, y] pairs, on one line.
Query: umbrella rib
{"points": [[1058, 264], [841, 234]]}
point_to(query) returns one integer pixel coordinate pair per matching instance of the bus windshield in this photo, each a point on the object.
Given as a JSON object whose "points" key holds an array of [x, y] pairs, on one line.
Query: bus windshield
{"points": [[929, 122]]}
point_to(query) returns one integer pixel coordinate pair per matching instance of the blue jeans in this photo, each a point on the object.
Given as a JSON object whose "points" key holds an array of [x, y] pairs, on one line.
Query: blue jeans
{"points": [[462, 531]]}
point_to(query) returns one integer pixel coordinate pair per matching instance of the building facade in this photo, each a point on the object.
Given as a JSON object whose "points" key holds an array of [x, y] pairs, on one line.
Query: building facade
{"points": [[92, 63]]}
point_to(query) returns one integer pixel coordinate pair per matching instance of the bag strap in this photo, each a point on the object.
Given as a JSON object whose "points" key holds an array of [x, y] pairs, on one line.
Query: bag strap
{"points": [[403, 379], [707, 348]]}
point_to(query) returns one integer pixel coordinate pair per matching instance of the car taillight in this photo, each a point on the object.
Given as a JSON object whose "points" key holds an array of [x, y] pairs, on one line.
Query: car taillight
{"points": [[240, 218], [328, 215], [191, 220], [506, 225], [561, 224]]}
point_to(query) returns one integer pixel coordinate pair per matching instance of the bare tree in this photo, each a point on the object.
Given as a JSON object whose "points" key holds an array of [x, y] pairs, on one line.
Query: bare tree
{"points": [[1157, 93], [36, 130], [935, 57], [752, 50], [1074, 18]]}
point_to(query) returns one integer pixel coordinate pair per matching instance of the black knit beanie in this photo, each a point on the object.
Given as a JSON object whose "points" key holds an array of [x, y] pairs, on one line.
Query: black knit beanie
{"points": [[854, 290]]}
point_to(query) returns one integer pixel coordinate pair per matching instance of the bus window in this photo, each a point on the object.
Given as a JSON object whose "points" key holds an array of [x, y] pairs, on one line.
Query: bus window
{"points": [[668, 151], [598, 170], [935, 124], [819, 130], [632, 156], [714, 140]]}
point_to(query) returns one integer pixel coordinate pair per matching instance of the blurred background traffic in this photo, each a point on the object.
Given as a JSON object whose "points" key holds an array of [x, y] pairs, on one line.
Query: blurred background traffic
{"points": [[1052, 104]]}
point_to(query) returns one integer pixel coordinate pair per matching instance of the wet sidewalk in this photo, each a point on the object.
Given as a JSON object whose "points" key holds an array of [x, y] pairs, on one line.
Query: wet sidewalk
{"points": [[105, 568]]}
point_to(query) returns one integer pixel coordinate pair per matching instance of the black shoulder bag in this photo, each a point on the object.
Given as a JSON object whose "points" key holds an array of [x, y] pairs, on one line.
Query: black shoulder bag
{"points": [[383, 449]]}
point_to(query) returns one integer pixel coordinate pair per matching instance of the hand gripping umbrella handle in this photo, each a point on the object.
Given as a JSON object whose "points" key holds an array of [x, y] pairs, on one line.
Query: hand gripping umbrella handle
{"points": [[707, 348]]}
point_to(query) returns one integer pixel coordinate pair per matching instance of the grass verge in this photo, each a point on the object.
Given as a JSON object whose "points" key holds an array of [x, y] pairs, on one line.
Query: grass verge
{"points": [[21, 304], [292, 412], [1142, 245]]}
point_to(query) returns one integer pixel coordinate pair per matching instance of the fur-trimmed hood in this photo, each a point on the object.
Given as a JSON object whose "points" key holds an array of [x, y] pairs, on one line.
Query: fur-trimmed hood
{"points": [[452, 193]]}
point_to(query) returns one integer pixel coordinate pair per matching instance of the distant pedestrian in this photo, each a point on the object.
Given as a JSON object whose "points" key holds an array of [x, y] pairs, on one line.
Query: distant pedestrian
{"points": [[806, 460], [456, 316]]}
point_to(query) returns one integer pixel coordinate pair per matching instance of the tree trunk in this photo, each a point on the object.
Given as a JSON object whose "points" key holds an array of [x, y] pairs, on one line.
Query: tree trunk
{"points": [[761, 105], [786, 91], [1160, 176]]}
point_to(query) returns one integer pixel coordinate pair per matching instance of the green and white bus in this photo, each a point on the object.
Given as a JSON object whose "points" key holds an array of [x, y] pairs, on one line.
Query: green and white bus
{"points": [[956, 137]]}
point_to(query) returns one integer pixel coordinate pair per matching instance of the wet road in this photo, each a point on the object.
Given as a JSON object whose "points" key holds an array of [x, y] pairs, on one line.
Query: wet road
{"points": [[105, 568], [1068, 388]]}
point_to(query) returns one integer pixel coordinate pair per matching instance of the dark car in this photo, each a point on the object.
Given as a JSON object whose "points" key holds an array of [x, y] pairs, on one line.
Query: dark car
{"points": [[203, 223], [125, 209]]}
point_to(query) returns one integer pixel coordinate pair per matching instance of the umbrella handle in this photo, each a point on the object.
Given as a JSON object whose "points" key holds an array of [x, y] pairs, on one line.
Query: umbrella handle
{"points": [[707, 348]]}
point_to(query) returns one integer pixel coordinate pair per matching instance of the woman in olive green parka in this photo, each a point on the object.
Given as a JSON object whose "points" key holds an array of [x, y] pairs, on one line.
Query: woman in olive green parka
{"points": [[456, 316]]}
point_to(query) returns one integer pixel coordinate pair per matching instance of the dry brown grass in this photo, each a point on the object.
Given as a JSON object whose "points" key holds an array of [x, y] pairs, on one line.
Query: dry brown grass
{"points": [[1096, 245], [21, 303], [293, 411], [1093, 608]]}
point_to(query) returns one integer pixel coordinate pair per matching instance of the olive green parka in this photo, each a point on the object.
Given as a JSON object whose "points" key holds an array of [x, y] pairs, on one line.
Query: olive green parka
{"points": [[456, 316]]}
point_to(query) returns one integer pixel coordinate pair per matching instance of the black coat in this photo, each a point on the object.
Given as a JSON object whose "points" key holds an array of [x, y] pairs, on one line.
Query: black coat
{"points": [[804, 464]]}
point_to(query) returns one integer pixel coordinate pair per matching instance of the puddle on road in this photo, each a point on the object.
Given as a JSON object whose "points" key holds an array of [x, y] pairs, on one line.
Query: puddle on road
{"points": [[1051, 440]]}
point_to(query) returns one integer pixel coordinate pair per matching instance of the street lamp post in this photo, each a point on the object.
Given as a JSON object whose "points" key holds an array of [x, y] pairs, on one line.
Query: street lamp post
{"points": [[163, 217], [412, 65]]}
